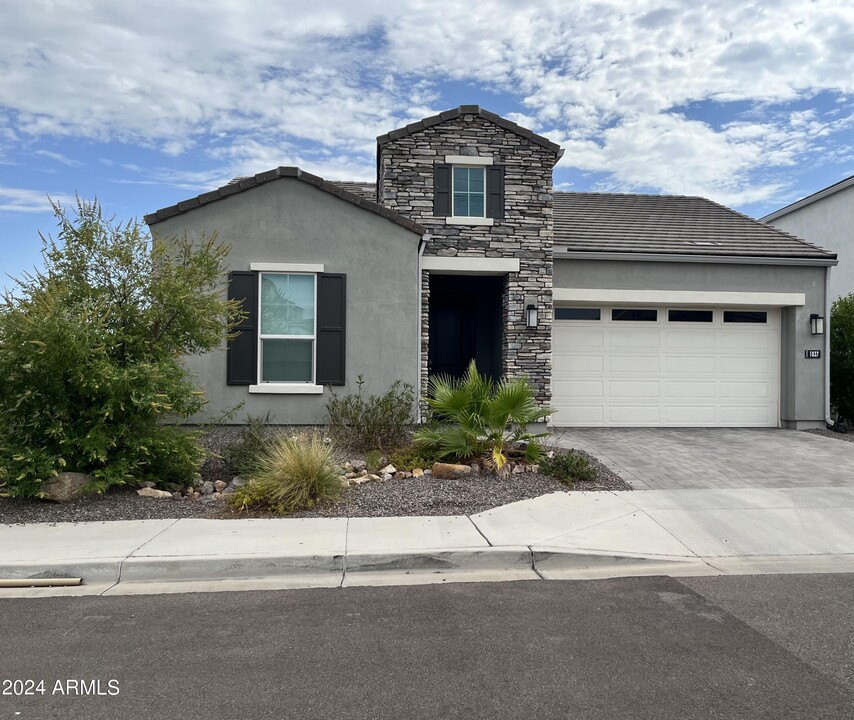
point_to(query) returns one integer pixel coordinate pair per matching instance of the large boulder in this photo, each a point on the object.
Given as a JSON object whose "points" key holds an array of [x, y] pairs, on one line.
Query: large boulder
{"points": [[154, 493], [447, 471], [65, 487]]}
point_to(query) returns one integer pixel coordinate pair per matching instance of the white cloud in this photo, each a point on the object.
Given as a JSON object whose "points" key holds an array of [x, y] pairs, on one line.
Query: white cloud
{"points": [[58, 157], [248, 86], [25, 200]]}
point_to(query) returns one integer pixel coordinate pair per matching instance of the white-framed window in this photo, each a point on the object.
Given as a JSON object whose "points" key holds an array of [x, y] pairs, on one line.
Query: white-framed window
{"points": [[468, 191], [287, 334]]}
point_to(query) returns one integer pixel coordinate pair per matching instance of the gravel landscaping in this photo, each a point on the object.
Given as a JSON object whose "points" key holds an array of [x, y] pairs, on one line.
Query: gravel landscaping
{"points": [[848, 437], [424, 495]]}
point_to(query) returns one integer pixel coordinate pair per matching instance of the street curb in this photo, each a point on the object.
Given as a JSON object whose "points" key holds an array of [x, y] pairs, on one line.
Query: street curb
{"points": [[554, 558], [517, 557], [226, 567], [92, 571]]}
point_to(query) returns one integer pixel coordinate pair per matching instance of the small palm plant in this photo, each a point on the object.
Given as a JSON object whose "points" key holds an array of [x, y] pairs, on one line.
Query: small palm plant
{"points": [[472, 416]]}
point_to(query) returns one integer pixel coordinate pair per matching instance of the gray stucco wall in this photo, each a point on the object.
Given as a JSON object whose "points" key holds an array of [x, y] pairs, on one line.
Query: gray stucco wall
{"points": [[802, 380], [828, 222], [289, 221]]}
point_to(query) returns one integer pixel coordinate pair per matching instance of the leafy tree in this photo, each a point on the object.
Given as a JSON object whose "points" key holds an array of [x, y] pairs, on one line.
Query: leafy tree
{"points": [[473, 417], [842, 357], [91, 348]]}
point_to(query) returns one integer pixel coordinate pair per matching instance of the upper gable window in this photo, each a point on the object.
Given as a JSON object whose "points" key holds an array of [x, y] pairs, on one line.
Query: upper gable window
{"points": [[469, 191]]}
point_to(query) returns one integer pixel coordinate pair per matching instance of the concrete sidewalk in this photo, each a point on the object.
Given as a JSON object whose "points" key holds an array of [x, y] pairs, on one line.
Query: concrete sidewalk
{"points": [[561, 535]]}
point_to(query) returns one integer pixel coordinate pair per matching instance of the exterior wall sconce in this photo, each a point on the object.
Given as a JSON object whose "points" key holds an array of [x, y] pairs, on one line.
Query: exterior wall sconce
{"points": [[816, 324], [531, 312]]}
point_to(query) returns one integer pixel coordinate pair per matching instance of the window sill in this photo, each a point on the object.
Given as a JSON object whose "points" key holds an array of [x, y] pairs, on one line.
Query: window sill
{"points": [[285, 389], [469, 221]]}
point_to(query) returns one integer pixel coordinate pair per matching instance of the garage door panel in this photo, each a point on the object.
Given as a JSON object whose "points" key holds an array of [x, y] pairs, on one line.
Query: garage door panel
{"points": [[745, 390], [634, 415], [634, 339], [690, 390], [747, 415], [634, 364], [667, 374], [746, 365], [747, 341], [626, 389], [690, 364], [582, 338], [571, 365], [579, 389], [690, 415], [689, 340]]}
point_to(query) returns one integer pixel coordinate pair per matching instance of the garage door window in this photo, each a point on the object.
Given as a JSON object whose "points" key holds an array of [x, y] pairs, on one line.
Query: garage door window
{"points": [[578, 314], [745, 316], [690, 316], [634, 314]]}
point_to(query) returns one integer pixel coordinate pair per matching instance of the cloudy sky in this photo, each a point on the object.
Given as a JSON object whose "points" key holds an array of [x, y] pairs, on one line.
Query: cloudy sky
{"points": [[143, 104]]}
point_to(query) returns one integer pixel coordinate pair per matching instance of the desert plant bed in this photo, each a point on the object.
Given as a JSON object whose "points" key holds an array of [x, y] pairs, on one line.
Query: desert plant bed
{"points": [[407, 496]]}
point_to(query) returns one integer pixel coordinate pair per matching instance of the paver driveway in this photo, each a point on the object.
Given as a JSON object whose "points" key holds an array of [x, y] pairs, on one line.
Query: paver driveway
{"points": [[666, 459]]}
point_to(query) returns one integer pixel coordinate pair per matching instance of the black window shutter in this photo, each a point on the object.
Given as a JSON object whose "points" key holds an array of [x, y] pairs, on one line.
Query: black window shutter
{"points": [[495, 191], [242, 352], [331, 328], [441, 190]]}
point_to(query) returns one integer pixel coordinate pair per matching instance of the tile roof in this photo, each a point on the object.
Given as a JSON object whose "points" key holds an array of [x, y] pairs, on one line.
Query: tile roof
{"points": [[668, 224], [239, 185], [471, 110], [367, 190]]}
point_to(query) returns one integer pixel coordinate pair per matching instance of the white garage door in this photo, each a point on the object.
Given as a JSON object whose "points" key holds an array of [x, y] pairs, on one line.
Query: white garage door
{"points": [[666, 366]]}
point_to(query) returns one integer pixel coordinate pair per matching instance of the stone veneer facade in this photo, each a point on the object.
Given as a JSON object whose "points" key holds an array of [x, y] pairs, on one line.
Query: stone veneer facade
{"points": [[405, 184]]}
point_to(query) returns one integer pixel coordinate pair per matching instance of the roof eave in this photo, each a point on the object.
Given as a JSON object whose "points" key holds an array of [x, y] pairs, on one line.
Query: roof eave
{"points": [[276, 174], [803, 260], [809, 200]]}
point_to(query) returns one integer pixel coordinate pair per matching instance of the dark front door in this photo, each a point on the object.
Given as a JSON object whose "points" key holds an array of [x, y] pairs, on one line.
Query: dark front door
{"points": [[465, 324]]}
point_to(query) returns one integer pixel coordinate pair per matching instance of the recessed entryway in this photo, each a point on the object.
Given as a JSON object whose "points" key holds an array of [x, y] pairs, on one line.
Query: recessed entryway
{"points": [[465, 324]]}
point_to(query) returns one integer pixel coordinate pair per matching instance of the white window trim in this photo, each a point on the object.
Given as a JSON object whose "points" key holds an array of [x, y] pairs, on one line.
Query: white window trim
{"points": [[282, 387], [286, 267], [470, 265], [285, 389], [468, 219], [468, 160], [610, 296]]}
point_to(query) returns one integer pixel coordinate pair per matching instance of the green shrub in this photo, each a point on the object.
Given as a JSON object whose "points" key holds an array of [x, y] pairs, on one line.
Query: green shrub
{"points": [[291, 474], [374, 460], [472, 417], [373, 422], [242, 455], [569, 467], [91, 354], [410, 457], [842, 357]]}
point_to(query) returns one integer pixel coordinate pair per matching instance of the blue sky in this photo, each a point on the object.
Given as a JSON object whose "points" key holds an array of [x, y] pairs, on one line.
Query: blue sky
{"points": [[144, 104]]}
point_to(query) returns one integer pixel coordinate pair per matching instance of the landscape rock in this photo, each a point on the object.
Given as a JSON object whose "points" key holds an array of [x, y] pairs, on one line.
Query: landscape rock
{"points": [[363, 472], [65, 487], [207, 488], [197, 480], [519, 468], [220, 485], [154, 493], [357, 464], [387, 476], [417, 472], [447, 471], [237, 482], [347, 467], [534, 468], [475, 468], [399, 475], [178, 496], [146, 484], [388, 470]]}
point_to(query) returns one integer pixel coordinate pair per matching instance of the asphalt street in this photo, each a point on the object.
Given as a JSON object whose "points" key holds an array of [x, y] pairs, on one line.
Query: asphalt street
{"points": [[773, 647]]}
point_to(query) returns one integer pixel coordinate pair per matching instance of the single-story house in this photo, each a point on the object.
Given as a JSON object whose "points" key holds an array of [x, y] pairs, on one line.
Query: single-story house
{"points": [[622, 310], [825, 217]]}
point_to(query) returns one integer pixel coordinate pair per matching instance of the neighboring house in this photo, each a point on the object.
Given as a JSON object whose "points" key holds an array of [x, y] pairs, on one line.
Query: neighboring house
{"points": [[825, 217], [623, 310]]}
